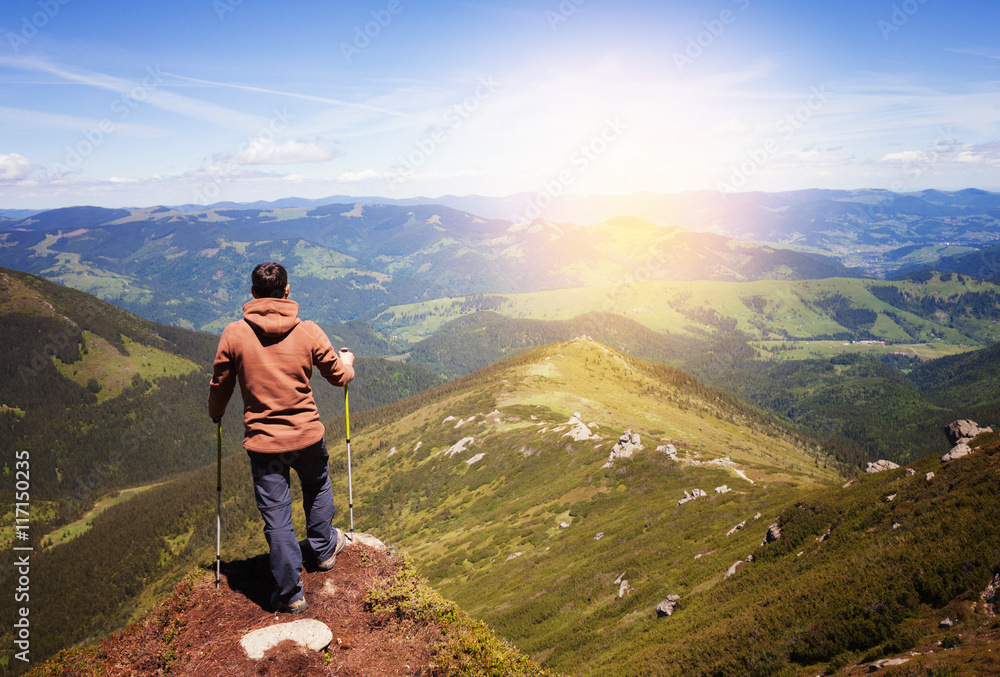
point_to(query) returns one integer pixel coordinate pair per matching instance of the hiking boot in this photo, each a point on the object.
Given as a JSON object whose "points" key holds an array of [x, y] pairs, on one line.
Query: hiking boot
{"points": [[296, 607], [327, 564]]}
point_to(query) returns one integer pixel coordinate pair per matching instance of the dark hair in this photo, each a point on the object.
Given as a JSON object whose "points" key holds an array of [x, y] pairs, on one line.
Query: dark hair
{"points": [[269, 280]]}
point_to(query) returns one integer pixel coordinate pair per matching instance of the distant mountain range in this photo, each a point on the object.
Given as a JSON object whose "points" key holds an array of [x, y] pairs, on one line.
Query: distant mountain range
{"points": [[879, 231], [350, 261]]}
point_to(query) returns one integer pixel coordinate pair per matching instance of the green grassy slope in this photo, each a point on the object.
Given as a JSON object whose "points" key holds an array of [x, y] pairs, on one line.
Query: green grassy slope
{"points": [[525, 528], [837, 308], [466, 516]]}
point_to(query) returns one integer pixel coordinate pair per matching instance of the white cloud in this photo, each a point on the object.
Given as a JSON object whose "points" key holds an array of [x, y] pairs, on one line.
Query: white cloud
{"points": [[366, 175], [294, 151], [948, 153], [733, 127], [15, 167]]}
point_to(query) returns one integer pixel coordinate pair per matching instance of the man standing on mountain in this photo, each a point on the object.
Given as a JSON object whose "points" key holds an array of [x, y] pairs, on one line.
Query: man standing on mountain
{"points": [[271, 353]]}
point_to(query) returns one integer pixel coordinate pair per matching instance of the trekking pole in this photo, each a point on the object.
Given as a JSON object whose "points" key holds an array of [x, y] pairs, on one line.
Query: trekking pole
{"points": [[218, 506], [350, 485]]}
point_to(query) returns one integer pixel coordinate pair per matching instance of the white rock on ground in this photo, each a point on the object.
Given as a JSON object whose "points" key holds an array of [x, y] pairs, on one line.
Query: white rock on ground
{"points": [[737, 565], [578, 430], [359, 538], [475, 459], [958, 451], [736, 528], [624, 589], [667, 606], [308, 632], [459, 446], [627, 445], [886, 663], [880, 465]]}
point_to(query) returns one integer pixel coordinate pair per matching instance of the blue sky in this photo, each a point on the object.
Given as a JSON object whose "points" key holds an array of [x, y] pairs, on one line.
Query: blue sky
{"points": [[135, 104]]}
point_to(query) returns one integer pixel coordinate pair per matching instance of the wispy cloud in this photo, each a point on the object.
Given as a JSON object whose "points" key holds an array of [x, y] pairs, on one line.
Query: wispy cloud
{"points": [[294, 95], [293, 151], [151, 93]]}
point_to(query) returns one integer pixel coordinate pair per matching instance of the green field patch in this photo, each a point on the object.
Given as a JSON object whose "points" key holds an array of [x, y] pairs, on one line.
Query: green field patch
{"points": [[71, 531], [107, 372]]}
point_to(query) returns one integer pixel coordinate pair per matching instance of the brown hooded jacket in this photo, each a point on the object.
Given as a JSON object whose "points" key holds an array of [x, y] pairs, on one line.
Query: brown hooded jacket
{"points": [[271, 352]]}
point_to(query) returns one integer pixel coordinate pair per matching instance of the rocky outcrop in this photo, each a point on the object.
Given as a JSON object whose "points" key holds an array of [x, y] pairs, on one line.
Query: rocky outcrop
{"points": [[991, 597], [624, 588], [880, 465], [724, 489], [964, 429], [773, 534], [667, 606], [738, 565], [628, 443], [961, 433], [736, 528], [578, 430], [691, 495], [668, 450], [308, 632], [958, 451]]}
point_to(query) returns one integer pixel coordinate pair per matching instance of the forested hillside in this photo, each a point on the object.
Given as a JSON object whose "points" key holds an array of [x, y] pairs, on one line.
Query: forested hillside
{"points": [[103, 400]]}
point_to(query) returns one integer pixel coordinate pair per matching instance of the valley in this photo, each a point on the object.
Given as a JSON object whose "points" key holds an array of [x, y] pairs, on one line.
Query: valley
{"points": [[563, 425]]}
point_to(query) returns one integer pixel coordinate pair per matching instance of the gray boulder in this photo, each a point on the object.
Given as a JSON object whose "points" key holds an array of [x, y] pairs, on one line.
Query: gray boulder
{"points": [[964, 429], [736, 528], [667, 606], [738, 565], [886, 663], [991, 596], [880, 465], [627, 445], [958, 451], [772, 535]]}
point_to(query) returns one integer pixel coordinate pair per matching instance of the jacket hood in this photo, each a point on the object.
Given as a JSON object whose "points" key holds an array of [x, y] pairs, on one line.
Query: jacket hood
{"points": [[272, 317]]}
